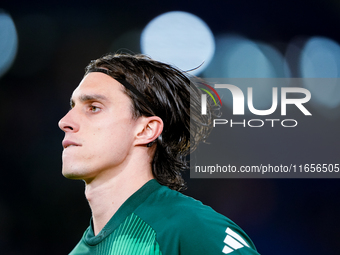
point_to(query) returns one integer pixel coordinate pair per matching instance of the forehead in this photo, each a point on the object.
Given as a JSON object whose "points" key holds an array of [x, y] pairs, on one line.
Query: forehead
{"points": [[101, 85]]}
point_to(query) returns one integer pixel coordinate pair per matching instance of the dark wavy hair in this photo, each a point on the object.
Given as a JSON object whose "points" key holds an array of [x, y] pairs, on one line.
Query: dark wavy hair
{"points": [[171, 94]]}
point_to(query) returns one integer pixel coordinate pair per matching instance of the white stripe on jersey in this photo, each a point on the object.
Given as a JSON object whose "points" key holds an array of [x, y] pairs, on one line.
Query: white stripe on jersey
{"points": [[233, 241]]}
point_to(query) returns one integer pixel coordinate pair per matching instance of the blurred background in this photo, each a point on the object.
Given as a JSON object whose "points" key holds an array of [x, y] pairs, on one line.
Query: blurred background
{"points": [[44, 47]]}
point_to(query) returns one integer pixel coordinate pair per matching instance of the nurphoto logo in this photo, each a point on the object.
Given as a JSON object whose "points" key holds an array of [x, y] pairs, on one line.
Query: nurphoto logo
{"points": [[298, 97]]}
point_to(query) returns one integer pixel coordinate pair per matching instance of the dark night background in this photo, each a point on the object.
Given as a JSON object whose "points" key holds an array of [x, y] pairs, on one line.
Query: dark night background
{"points": [[41, 212]]}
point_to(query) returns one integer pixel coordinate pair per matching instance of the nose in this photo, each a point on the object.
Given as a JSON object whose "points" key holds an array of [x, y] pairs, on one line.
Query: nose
{"points": [[68, 123]]}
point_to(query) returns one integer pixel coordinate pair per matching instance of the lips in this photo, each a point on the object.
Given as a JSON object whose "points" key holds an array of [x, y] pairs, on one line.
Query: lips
{"points": [[68, 143]]}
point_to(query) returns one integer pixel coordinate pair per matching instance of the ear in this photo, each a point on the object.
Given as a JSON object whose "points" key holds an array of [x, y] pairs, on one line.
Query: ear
{"points": [[150, 129]]}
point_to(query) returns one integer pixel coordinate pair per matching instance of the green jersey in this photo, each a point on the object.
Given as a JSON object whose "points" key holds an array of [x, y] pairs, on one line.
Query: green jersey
{"points": [[157, 220]]}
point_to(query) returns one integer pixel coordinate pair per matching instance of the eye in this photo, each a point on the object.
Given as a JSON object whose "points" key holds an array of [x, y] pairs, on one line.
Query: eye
{"points": [[94, 109]]}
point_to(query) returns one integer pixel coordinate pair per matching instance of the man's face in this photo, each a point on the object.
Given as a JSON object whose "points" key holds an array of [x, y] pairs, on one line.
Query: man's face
{"points": [[99, 129]]}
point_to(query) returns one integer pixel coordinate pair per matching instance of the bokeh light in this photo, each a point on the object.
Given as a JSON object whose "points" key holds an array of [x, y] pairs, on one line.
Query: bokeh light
{"points": [[179, 38], [320, 61], [8, 42], [239, 57], [320, 58]]}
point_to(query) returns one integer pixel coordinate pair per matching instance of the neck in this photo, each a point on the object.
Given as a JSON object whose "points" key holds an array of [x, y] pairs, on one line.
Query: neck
{"points": [[106, 194]]}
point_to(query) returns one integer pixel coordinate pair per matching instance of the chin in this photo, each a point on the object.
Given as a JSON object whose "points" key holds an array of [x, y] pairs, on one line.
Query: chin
{"points": [[71, 174]]}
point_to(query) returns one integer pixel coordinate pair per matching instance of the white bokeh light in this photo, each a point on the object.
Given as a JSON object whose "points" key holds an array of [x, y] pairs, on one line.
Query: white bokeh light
{"points": [[179, 38]]}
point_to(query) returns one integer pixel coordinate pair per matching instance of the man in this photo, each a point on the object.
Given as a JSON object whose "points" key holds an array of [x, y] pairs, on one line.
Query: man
{"points": [[127, 135]]}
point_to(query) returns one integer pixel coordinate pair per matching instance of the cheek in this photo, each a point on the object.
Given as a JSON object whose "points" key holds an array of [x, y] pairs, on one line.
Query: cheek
{"points": [[117, 138]]}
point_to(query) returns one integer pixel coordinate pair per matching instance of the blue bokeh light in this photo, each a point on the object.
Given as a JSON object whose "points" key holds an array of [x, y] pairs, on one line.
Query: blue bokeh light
{"points": [[320, 58], [8, 42], [239, 57]]}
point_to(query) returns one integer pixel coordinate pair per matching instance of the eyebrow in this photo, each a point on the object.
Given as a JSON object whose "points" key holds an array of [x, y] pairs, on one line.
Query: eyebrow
{"points": [[86, 97]]}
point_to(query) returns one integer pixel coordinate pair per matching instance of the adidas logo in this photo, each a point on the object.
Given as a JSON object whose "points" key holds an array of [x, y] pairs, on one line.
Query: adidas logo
{"points": [[233, 242]]}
